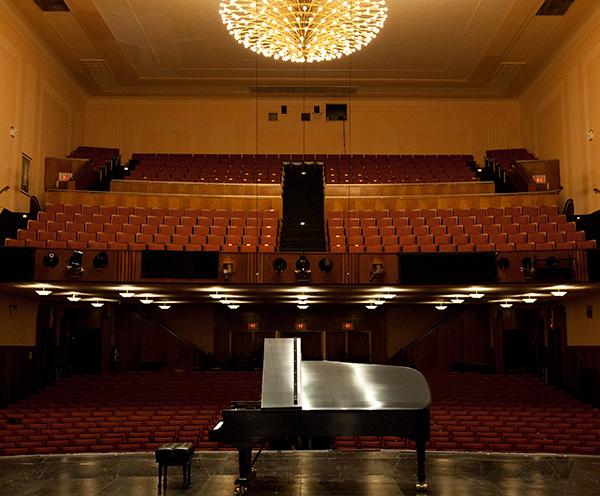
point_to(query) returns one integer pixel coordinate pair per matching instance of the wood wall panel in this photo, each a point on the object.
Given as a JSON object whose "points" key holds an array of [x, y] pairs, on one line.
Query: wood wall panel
{"points": [[405, 189], [583, 372]]}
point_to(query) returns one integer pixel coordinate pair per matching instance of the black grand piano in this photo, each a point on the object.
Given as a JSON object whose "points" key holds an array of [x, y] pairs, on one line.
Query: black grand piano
{"points": [[321, 398]]}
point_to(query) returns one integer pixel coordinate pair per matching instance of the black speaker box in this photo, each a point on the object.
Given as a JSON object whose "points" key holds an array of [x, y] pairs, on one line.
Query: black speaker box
{"points": [[447, 268], [180, 264], [593, 263], [16, 264]]}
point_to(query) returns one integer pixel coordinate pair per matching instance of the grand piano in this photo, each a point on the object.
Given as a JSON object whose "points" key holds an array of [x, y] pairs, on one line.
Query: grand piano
{"points": [[321, 398]]}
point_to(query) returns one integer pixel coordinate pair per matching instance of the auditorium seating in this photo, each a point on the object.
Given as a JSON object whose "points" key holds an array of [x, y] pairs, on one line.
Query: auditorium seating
{"points": [[141, 228], [454, 230], [355, 169], [501, 161], [139, 411], [95, 153]]}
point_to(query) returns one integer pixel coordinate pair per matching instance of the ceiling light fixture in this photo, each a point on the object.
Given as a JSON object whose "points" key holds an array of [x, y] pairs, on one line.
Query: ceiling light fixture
{"points": [[164, 306], [559, 292], [457, 300], [146, 300], [303, 30], [371, 305], [389, 296], [126, 294], [441, 306], [506, 304], [216, 295], [43, 291], [529, 299], [476, 295], [74, 297], [233, 306], [97, 304], [302, 306]]}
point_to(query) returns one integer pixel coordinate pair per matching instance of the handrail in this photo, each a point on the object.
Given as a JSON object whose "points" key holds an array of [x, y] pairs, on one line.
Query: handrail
{"points": [[166, 328], [399, 355]]}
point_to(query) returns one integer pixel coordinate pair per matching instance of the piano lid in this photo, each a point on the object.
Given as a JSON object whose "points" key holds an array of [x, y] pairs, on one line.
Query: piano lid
{"points": [[288, 382], [359, 386]]}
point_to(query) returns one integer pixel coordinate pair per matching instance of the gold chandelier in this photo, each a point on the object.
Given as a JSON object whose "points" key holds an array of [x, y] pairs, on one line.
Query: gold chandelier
{"points": [[304, 30]]}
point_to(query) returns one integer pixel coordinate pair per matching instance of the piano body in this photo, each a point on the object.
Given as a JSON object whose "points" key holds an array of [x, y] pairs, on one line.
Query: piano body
{"points": [[321, 398]]}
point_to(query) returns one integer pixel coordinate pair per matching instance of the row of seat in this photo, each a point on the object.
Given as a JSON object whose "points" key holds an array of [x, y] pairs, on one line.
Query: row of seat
{"points": [[513, 211]]}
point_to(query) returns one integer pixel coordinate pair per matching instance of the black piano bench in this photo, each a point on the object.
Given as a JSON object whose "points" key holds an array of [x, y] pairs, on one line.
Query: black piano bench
{"points": [[175, 454]]}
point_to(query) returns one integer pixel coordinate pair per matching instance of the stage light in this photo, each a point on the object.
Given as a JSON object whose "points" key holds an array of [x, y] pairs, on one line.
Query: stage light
{"points": [[279, 265], [325, 265], [302, 269], [50, 259], [97, 304], [43, 291], [74, 297], [75, 264], [101, 260], [506, 304]]}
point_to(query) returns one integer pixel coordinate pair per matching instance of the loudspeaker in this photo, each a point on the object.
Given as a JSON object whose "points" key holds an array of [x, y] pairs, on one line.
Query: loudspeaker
{"points": [[180, 264], [447, 268], [16, 264], [593, 264]]}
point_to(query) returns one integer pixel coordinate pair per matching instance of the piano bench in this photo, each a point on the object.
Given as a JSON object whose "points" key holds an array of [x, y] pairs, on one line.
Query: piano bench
{"points": [[174, 454]]}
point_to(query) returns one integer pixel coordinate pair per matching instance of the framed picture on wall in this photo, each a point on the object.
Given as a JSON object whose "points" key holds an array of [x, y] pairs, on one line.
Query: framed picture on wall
{"points": [[25, 165]]}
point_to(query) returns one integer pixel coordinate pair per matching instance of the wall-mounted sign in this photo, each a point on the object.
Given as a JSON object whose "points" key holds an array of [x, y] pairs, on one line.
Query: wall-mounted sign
{"points": [[347, 326], [300, 326], [65, 176], [539, 178], [252, 326]]}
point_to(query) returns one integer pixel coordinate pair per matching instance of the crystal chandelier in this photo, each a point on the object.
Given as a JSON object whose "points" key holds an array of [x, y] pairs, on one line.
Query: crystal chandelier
{"points": [[304, 30]]}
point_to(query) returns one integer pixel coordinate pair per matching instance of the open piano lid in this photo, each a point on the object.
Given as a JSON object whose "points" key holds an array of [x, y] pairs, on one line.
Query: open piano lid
{"points": [[288, 382]]}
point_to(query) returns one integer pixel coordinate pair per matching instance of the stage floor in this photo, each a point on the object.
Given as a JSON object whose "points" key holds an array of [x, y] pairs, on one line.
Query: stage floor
{"points": [[317, 473]]}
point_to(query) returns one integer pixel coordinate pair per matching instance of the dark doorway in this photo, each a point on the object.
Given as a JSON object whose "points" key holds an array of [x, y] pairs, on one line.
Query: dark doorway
{"points": [[311, 343], [336, 345], [85, 351], [519, 352]]}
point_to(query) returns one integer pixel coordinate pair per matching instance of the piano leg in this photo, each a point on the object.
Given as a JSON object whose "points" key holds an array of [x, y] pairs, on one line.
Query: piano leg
{"points": [[245, 462], [421, 481]]}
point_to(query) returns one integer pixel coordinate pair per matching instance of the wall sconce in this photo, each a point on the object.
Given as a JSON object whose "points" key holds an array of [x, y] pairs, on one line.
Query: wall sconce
{"points": [[377, 269], [227, 268], [303, 269], [75, 264]]}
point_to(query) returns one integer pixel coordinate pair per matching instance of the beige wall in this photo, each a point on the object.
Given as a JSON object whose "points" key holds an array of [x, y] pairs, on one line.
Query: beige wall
{"points": [[40, 100], [228, 125], [560, 106], [581, 329], [18, 317]]}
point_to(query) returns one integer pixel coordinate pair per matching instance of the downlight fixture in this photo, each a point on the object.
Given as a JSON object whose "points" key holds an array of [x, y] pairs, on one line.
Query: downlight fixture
{"points": [[476, 295], [43, 291], [126, 294], [529, 299], [74, 297], [146, 300], [558, 292], [506, 304], [233, 306], [302, 306], [457, 300], [216, 295], [97, 304], [371, 305], [164, 306], [441, 307]]}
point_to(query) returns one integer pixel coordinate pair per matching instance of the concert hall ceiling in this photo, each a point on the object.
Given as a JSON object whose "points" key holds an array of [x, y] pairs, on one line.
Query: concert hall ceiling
{"points": [[427, 48]]}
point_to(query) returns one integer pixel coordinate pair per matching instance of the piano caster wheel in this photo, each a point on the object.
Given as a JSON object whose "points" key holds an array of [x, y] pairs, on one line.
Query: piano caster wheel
{"points": [[240, 490], [421, 487]]}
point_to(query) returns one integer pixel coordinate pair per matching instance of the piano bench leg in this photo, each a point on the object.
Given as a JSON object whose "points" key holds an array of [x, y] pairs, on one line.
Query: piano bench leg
{"points": [[421, 485]]}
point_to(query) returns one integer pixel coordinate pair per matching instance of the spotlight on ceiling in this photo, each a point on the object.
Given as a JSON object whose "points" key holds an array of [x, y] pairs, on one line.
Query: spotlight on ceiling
{"points": [[325, 265], [164, 306], [75, 264], [503, 263], [279, 265], [50, 259], [302, 269], [527, 267], [441, 306], [43, 291], [529, 299], [74, 297], [506, 304], [97, 304], [101, 260]]}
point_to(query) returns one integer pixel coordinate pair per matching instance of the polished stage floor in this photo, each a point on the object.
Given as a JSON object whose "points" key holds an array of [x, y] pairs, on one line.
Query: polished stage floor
{"points": [[321, 473]]}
